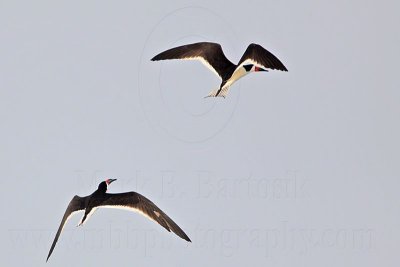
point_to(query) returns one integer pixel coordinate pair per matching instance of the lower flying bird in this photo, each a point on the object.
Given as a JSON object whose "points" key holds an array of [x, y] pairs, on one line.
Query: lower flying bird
{"points": [[255, 58], [130, 200]]}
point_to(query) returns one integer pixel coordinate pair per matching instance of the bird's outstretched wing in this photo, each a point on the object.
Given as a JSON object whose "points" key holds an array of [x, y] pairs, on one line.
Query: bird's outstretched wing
{"points": [[76, 204], [257, 55], [136, 202], [210, 54]]}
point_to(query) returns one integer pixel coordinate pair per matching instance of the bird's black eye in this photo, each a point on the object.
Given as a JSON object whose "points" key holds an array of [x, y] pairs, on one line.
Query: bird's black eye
{"points": [[247, 67]]}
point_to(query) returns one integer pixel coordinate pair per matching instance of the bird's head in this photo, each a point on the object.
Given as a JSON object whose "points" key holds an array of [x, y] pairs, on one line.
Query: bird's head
{"points": [[103, 186], [253, 68]]}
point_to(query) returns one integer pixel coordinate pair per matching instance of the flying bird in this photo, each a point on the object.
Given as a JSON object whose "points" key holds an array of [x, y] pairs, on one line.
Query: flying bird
{"points": [[130, 200], [255, 59]]}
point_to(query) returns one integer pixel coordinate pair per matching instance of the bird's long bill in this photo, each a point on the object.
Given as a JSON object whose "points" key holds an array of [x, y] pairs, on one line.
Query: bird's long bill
{"points": [[109, 181]]}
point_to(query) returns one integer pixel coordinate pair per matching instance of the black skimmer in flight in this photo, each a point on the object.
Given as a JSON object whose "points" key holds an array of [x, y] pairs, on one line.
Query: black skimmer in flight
{"points": [[255, 58], [130, 200]]}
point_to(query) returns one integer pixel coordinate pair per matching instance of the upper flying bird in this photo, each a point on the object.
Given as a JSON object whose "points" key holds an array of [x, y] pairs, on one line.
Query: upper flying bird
{"points": [[255, 58], [130, 200]]}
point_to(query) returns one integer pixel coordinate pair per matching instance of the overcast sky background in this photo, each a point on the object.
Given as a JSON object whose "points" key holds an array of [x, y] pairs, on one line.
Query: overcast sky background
{"points": [[291, 169]]}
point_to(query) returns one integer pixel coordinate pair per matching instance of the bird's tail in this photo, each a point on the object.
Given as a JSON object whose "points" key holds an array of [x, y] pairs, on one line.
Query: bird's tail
{"points": [[223, 92]]}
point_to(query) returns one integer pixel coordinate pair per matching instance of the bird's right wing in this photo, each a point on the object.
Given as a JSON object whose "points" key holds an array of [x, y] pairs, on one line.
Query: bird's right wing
{"points": [[136, 202], [210, 54], [257, 55], [76, 204]]}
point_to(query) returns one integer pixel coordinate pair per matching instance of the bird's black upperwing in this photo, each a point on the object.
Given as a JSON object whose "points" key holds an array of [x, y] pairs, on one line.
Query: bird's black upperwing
{"points": [[210, 54], [256, 54], [76, 204], [136, 202]]}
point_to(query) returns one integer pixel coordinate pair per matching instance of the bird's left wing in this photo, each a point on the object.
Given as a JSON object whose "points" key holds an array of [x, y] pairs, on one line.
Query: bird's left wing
{"points": [[136, 202], [210, 54], [257, 55], [76, 204]]}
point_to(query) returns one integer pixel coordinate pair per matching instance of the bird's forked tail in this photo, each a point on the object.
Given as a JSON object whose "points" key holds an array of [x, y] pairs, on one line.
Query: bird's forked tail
{"points": [[223, 92]]}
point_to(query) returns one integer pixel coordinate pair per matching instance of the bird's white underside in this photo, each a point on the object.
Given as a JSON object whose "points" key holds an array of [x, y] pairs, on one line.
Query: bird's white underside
{"points": [[237, 74]]}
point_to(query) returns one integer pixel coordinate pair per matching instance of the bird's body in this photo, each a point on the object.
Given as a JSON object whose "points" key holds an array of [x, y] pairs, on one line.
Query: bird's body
{"points": [[254, 59], [130, 200]]}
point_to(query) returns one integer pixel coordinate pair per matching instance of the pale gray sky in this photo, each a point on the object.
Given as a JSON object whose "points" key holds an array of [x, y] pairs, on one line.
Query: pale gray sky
{"points": [[291, 169]]}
